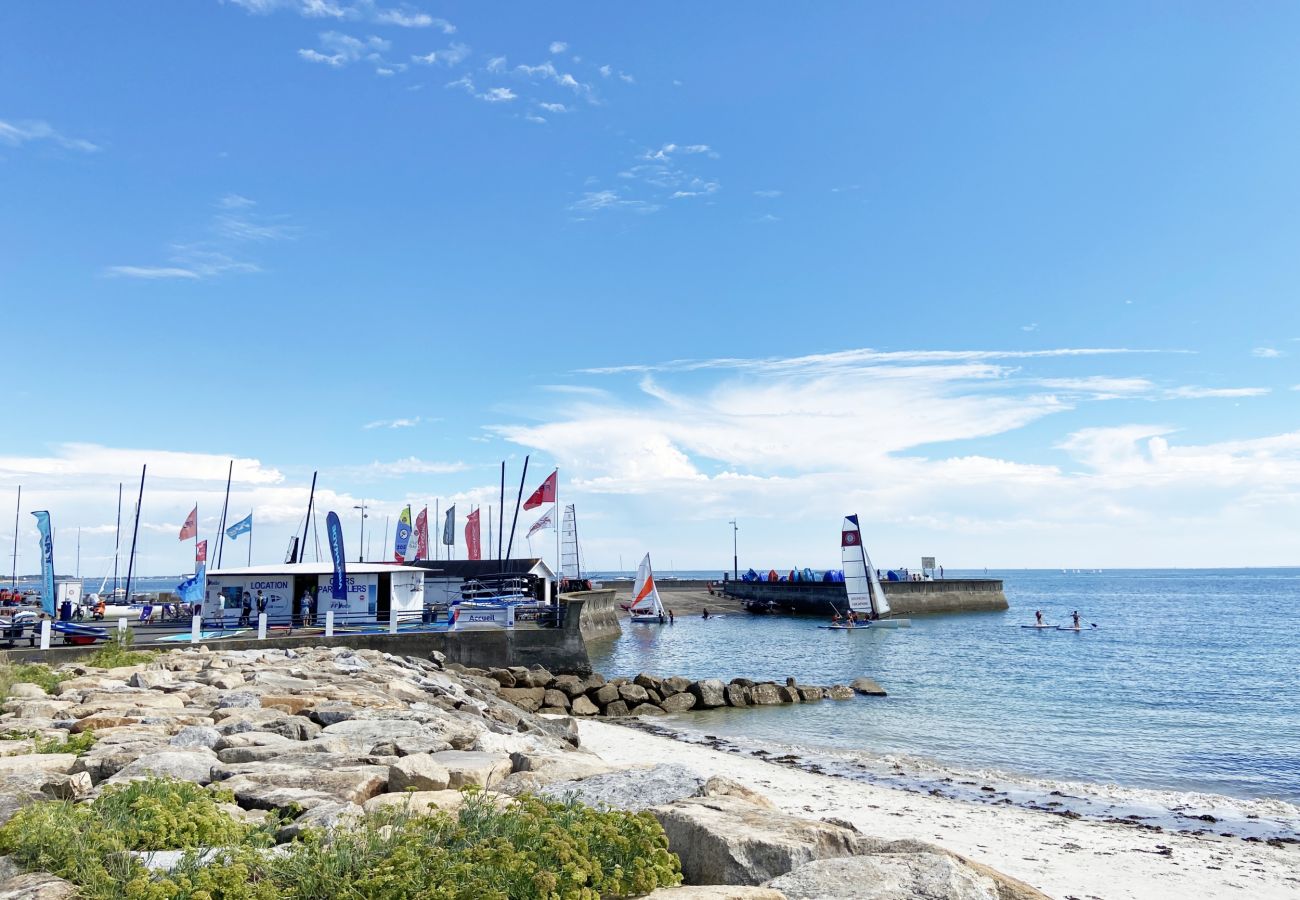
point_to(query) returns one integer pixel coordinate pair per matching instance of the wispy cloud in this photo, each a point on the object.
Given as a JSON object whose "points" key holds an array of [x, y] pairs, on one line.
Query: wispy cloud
{"points": [[16, 134], [398, 468], [340, 50], [597, 201], [403, 16], [491, 95], [406, 18], [222, 251], [393, 423], [1192, 392], [558, 47], [454, 55], [658, 173], [1266, 352]]}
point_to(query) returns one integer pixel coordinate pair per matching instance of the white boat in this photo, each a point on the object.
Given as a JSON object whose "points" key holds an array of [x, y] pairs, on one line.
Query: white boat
{"points": [[646, 605], [866, 597]]}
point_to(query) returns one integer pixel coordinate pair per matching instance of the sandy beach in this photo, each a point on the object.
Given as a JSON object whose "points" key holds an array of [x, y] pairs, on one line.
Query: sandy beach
{"points": [[1062, 857]]}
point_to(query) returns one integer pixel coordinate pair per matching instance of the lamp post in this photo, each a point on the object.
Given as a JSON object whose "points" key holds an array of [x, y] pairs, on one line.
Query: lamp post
{"points": [[361, 543], [735, 553]]}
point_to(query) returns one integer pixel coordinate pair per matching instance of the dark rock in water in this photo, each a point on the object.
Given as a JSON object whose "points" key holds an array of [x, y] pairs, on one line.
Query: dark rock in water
{"points": [[869, 687], [676, 685], [737, 694], [710, 693], [678, 703], [765, 694], [743, 682], [840, 692], [811, 694], [604, 695], [633, 693], [788, 694], [634, 790], [649, 682], [646, 709]]}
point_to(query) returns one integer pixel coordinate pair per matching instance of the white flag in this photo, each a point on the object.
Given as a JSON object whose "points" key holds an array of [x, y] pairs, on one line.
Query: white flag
{"points": [[542, 523]]}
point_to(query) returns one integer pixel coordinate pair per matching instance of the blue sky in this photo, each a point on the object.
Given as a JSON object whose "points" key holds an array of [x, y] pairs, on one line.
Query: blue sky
{"points": [[1016, 283]]}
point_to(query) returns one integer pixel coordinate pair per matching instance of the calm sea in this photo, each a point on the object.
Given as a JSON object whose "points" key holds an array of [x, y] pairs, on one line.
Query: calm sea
{"points": [[1182, 702]]}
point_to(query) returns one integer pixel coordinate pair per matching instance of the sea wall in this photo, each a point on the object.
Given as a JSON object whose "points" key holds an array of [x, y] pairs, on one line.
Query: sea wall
{"points": [[908, 598], [599, 616], [561, 649]]}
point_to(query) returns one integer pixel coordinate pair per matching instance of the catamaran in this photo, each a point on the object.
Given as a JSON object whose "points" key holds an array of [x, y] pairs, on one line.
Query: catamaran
{"points": [[866, 596], [646, 605]]}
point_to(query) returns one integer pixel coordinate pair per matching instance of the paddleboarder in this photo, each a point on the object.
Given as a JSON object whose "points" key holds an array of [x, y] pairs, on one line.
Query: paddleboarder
{"points": [[1038, 617]]}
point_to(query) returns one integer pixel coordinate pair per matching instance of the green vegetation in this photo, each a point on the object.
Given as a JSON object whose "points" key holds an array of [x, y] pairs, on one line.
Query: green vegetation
{"points": [[70, 743], [527, 850], [34, 673], [116, 651]]}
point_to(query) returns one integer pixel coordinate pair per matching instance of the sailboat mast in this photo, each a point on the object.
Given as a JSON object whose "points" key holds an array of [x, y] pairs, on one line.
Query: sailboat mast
{"points": [[117, 545], [311, 499], [135, 534], [225, 505], [18, 507], [577, 554], [518, 499]]}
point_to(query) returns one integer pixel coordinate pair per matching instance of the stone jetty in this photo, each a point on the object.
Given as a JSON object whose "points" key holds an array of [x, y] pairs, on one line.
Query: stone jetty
{"points": [[537, 690], [324, 737]]}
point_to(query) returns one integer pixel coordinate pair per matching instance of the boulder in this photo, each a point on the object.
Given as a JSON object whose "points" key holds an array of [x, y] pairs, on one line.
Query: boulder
{"points": [[152, 679], [646, 709], [648, 681], [67, 787], [502, 677], [709, 694], [183, 765], [630, 789], [418, 772], [722, 786], [677, 703], [196, 736], [897, 876], [272, 786], [528, 698], [632, 694], [250, 739], [604, 695], [289, 703], [715, 892], [29, 763], [421, 803], [811, 694], [365, 733], [765, 694], [37, 886], [737, 695], [25, 690], [616, 709], [788, 694], [869, 687], [552, 767], [329, 712], [239, 700], [555, 700], [571, 685], [584, 707], [840, 692], [676, 685], [730, 840], [467, 768], [326, 816]]}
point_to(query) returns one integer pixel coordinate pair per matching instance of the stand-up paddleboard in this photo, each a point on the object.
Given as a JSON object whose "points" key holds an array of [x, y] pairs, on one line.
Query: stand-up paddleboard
{"points": [[1042, 627], [891, 623], [1078, 628], [862, 627]]}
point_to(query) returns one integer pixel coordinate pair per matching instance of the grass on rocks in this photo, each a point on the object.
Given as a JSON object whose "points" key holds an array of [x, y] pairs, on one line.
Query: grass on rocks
{"points": [[526, 850], [33, 673], [116, 651], [71, 743]]}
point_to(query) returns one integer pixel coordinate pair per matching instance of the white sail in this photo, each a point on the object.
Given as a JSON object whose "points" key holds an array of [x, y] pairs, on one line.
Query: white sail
{"points": [[866, 597], [570, 562], [645, 596]]}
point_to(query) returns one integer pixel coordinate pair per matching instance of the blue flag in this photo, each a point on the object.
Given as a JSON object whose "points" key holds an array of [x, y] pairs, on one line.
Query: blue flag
{"points": [[191, 589], [243, 526], [334, 534], [47, 562]]}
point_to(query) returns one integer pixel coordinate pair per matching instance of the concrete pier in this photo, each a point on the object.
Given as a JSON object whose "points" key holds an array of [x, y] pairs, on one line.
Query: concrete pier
{"points": [[908, 598]]}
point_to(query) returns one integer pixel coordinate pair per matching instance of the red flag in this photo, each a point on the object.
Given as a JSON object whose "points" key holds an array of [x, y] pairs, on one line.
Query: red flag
{"points": [[191, 527], [544, 494], [472, 535], [201, 552], [422, 534]]}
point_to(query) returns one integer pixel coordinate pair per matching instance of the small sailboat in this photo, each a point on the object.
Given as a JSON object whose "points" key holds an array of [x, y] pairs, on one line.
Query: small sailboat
{"points": [[646, 605], [866, 597]]}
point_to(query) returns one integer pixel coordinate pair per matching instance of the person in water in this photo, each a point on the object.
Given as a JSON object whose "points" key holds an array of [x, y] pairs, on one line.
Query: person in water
{"points": [[1075, 616], [672, 619], [1038, 617], [705, 614]]}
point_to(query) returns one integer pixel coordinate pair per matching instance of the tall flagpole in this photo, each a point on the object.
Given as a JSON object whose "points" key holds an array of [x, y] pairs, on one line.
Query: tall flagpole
{"points": [[559, 564], [221, 529], [117, 548], [18, 508], [311, 498], [135, 534], [502, 530], [250, 538], [518, 498], [489, 534], [437, 511]]}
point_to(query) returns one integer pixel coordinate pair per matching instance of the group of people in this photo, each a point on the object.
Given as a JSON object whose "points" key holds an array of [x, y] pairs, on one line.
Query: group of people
{"points": [[1074, 617], [304, 610], [851, 620]]}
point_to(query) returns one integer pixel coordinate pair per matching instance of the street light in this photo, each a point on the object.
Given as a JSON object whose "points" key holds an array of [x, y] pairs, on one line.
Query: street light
{"points": [[361, 544], [735, 553]]}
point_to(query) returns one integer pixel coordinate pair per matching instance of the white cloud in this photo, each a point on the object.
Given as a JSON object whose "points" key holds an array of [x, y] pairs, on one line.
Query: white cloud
{"points": [[397, 468], [221, 252], [497, 95], [15, 134], [606, 71], [558, 47], [1191, 392], [597, 201], [452, 56], [410, 422], [350, 10], [343, 49], [1032, 326], [1266, 353], [554, 107]]}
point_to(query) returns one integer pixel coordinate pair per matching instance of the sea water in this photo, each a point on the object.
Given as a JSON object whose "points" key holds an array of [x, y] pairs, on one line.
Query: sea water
{"points": [[1182, 702]]}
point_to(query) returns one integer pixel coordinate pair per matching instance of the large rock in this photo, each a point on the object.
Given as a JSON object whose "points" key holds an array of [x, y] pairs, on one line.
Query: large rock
{"points": [[737, 695], [765, 694], [868, 687], [183, 765], [710, 693], [37, 886], [418, 772], [556, 699], [604, 695], [552, 767], [529, 698], [582, 706], [326, 816], [729, 840], [616, 709], [675, 685], [272, 786], [678, 703], [630, 789], [571, 685], [467, 768], [632, 694], [419, 803], [29, 763], [897, 876], [329, 712], [196, 736], [25, 690]]}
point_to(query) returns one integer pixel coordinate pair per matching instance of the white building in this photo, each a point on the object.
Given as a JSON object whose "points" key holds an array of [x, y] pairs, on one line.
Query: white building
{"points": [[374, 592]]}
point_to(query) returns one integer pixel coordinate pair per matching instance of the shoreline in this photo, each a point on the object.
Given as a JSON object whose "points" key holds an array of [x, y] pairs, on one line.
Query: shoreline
{"points": [[1065, 857]]}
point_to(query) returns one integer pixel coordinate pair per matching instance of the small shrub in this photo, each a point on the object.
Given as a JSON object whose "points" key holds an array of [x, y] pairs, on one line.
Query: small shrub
{"points": [[116, 651], [33, 673], [71, 743]]}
